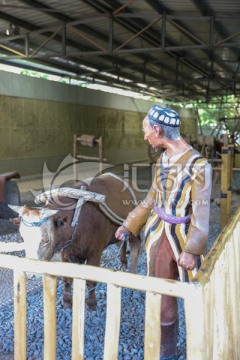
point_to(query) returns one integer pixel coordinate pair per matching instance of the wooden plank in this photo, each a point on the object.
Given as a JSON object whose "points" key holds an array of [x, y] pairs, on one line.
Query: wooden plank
{"points": [[49, 301], [225, 302], [195, 325], [74, 156], [220, 321], [96, 274], [78, 317], [100, 144], [152, 333], [20, 333], [208, 303], [215, 323], [113, 318], [236, 241], [233, 303], [88, 157]]}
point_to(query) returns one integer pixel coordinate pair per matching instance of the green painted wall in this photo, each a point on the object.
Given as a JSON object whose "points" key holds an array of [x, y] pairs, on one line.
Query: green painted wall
{"points": [[35, 131]]}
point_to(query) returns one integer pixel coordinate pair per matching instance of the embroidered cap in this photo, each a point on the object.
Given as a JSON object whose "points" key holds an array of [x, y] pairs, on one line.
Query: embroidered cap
{"points": [[165, 116]]}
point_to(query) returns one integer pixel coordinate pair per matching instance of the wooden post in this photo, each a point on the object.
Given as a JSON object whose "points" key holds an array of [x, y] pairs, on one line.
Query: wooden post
{"points": [[79, 287], [152, 333], [113, 318], [75, 156], [19, 315], [195, 329], [221, 327], [230, 170], [49, 301], [236, 251], [233, 303], [224, 187], [209, 298], [100, 144]]}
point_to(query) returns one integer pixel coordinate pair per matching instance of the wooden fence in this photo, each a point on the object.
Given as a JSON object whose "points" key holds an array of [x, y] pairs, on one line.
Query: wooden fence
{"points": [[211, 303], [219, 280]]}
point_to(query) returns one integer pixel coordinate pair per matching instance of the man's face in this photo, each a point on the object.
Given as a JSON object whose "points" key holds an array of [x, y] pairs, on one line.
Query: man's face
{"points": [[149, 133]]}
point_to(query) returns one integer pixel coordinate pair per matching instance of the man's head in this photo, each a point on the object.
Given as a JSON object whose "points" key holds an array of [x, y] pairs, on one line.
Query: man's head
{"points": [[163, 116], [164, 119]]}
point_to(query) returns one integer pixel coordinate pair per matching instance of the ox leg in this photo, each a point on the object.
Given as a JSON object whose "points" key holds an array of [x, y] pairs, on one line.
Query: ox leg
{"points": [[67, 283], [92, 300], [135, 249], [67, 292]]}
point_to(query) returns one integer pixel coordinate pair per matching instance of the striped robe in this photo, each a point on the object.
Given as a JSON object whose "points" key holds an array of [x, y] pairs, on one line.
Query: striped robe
{"points": [[182, 189]]}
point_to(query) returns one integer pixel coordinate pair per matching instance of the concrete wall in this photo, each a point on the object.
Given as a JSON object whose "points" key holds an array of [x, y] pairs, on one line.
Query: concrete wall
{"points": [[39, 117]]}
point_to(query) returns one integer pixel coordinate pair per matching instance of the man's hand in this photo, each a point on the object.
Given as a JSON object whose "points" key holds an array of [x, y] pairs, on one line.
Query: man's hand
{"points": [[122, 233], [187, 261]]}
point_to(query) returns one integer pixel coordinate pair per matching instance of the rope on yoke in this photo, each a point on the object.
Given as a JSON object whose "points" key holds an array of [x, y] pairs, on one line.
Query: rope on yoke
{"points": [[128, 187], [110, 214], [107, 211], [78, 208]]}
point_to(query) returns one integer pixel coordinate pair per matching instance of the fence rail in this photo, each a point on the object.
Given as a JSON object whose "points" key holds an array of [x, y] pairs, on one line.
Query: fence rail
{"points": [[211, 303], [115, 280]]}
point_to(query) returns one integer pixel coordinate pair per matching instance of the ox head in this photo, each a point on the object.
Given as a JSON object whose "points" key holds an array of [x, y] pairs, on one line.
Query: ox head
{"points": [[37, 230]]}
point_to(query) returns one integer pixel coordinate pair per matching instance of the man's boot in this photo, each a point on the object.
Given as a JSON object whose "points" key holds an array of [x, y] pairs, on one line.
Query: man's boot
{"points": [[169, 341]]}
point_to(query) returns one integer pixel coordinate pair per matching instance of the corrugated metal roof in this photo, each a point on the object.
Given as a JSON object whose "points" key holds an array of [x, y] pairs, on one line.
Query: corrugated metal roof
{"points": [[177, 50]]}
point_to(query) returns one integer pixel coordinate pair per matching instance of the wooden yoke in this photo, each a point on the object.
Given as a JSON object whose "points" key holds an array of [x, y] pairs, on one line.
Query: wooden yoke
{"points": [[72, 193]]}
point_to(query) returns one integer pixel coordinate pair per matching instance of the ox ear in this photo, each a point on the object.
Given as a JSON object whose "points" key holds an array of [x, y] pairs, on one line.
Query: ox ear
{"points": [[47, 213], [15, 221], [17, 209]]}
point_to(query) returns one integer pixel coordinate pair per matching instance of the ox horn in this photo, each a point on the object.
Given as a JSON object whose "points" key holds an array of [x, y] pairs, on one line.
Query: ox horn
{"points": [[47, 213], [44, 213]]}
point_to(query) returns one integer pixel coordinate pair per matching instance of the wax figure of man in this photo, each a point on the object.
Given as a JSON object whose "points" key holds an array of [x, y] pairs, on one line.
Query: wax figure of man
{"points": [[175, 212]]}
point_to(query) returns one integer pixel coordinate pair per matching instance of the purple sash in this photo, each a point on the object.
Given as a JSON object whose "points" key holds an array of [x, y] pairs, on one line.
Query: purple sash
{"points": [[171, 219]]}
